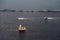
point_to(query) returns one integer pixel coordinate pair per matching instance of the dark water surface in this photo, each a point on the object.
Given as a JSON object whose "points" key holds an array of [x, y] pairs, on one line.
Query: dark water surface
{"points": [[37, 27]]}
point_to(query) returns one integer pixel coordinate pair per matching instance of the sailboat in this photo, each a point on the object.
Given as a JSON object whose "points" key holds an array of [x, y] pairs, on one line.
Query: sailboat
{"points": [[22, 28], [45, 18]]}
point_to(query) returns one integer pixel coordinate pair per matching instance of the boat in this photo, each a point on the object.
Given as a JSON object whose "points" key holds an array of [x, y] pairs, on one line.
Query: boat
{"points": [[22, 28], [45, 18]]}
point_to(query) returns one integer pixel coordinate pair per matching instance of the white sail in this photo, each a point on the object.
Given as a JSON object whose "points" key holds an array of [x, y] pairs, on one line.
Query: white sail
{"points": [[21, 27]]}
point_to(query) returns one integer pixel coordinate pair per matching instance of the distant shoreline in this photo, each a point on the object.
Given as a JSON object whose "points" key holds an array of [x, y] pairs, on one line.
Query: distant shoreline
{"points": [[7, 10]]}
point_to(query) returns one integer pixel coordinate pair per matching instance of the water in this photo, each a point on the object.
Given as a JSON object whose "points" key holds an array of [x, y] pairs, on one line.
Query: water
{"points": [[37, 27]]}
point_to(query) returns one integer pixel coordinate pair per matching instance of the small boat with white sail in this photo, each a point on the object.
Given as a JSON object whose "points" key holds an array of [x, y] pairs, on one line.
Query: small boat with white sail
{"points": [[22, 28]]}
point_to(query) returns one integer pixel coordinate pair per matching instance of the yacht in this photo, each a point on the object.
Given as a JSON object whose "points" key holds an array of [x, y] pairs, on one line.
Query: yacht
{"points": [[22, 28]]}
